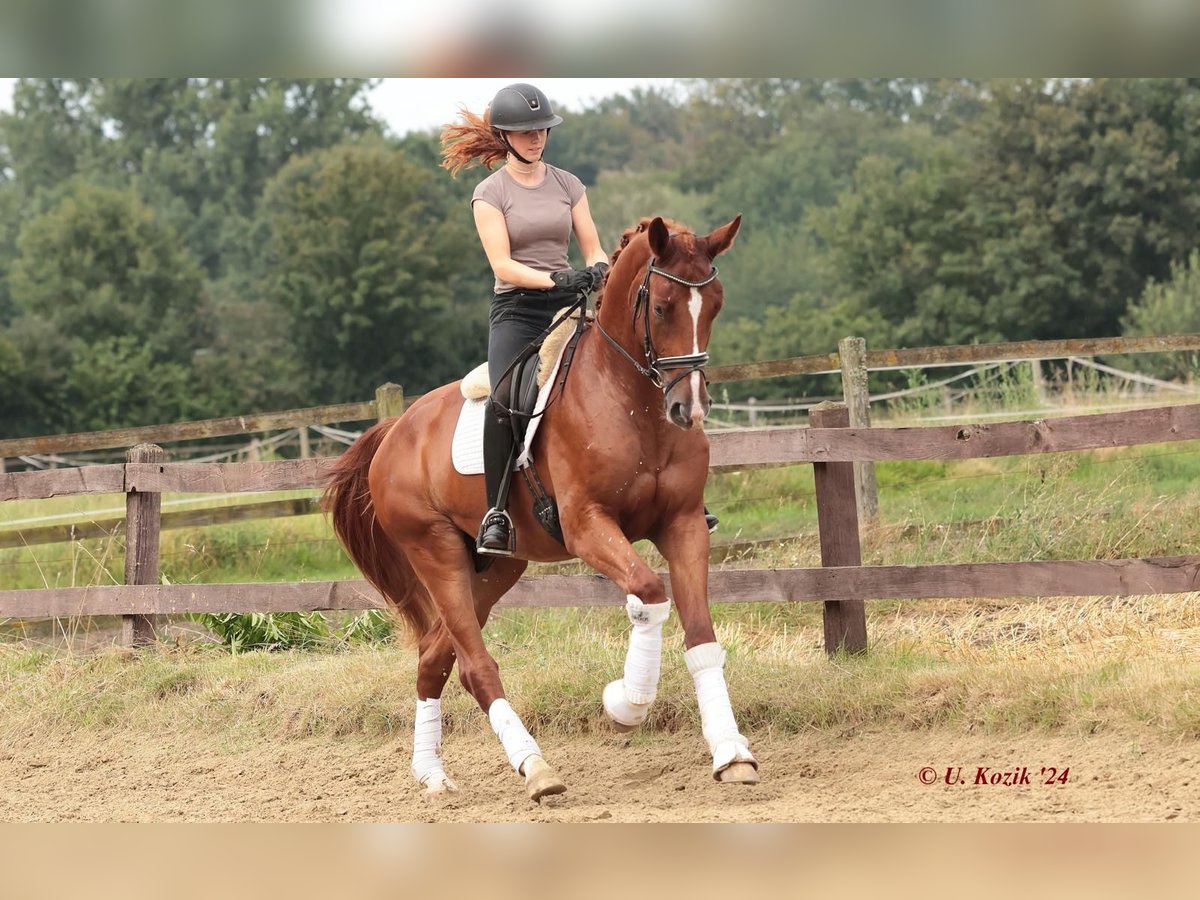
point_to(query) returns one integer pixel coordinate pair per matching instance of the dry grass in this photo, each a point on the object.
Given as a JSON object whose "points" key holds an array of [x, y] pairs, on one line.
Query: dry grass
{"points": [[1076, 666]]}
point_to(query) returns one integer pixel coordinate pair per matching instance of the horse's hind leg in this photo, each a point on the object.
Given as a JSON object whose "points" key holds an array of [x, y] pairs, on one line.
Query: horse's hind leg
{"points": [[436, 661], [433, 669], [463, 599]]}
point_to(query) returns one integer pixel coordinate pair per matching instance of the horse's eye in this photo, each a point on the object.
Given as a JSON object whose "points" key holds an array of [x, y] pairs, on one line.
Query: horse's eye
{"points": [[660, 311]]}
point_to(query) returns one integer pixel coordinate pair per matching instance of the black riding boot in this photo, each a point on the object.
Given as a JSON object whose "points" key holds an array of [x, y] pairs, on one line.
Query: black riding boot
{"points": [[710, 520], [496, 536]]}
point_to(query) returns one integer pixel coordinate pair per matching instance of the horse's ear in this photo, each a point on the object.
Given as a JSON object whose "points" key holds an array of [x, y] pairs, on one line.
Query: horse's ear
{"points": [[721, 239], [659, 236]]}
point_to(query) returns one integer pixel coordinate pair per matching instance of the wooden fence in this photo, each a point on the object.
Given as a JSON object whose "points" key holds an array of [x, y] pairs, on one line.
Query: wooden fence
{"points": [[830, 445], [390, 400]]}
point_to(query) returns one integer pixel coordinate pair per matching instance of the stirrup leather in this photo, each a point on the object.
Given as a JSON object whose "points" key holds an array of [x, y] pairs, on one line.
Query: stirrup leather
{"points": [[493, 517]]}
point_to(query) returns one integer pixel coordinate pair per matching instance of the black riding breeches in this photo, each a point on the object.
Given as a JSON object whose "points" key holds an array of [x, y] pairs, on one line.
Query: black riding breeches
{"points": [[515, 320]]}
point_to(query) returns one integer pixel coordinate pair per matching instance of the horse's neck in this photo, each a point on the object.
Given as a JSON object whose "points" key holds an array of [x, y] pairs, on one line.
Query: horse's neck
{"points": [[613, 391]]}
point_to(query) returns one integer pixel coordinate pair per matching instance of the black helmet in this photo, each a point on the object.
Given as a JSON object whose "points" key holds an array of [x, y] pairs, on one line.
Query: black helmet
{"points": [[522, 107]]}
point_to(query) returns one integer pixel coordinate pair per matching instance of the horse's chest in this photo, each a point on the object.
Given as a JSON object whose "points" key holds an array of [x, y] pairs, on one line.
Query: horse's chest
{"points": [[634, 488]]}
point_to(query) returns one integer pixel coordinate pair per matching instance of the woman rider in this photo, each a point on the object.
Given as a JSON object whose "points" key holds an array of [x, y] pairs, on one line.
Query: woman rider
{"points": [[525, 213]]}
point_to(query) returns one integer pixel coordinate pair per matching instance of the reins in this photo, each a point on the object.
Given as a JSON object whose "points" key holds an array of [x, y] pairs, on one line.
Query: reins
{"points": [[580, 304]]}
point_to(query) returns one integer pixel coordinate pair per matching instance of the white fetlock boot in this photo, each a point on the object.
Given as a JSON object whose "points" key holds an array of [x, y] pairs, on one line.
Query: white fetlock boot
{"points": [[733, 763], [523, 753], [427, 743], [627, 700]]}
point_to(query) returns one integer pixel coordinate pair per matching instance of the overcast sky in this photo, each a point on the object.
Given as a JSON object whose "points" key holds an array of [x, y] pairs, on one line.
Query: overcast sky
{"points": [[414, 104]]}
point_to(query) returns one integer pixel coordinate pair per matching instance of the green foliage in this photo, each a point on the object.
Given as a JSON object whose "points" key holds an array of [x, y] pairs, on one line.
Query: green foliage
{"points": [[108, 305], [375, 626], [245, 632], [189, 247], [1168, 307], [356, 256], [99, 264]]}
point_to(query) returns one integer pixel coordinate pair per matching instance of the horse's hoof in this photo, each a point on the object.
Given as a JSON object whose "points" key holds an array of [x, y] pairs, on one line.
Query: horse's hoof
{"points": [[622, 728], [738, 773], [540, 780], [439, 787]]}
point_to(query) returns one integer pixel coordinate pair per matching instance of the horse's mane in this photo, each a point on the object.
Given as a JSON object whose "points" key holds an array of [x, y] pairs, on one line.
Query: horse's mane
{"points": [[676, 228], [634, 230]]}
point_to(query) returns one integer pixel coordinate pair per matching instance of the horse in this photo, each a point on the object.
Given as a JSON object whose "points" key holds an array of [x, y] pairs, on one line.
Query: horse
{"points": [[622, 451]]}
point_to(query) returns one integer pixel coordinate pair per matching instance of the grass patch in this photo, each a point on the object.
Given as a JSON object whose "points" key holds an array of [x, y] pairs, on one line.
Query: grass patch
{"points": [[1073, 666]]}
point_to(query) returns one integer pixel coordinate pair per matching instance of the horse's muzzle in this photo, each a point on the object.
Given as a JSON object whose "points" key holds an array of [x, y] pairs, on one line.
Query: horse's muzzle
{"points": [[688, 413]]}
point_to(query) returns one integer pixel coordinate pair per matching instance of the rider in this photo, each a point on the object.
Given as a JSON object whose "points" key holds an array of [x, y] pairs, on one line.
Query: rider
{"points": [[525, 213]]}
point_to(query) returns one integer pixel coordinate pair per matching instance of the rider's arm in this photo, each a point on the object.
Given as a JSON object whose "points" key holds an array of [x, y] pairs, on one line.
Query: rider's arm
{"points": [[489, 222], [586, 234]]}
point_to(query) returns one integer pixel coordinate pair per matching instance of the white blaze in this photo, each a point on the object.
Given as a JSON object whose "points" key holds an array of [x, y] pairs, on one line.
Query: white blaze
{"points": [[695, 304]]}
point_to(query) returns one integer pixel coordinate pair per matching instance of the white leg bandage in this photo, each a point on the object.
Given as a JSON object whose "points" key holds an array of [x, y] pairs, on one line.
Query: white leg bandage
{"points": [[427, 741], [627, 701], [706, 662], [517, 742]]}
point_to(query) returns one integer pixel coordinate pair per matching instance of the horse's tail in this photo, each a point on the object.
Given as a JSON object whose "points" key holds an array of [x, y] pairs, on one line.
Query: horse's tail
{"points": [[347, 499]]}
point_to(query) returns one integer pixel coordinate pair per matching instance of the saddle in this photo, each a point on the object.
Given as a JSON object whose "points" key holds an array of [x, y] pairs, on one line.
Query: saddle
{"points": [[476, 386], [529, 395]]}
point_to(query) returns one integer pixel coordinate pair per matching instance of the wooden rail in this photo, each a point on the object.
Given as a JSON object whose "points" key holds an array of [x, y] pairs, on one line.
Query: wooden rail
{"points": [[731, 450], [392, 401], [89, 529], [957, 355], [1062, 578], [389, 398]]}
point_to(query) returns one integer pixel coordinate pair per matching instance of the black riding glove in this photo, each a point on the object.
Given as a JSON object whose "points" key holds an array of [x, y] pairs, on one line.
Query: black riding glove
{"points": [[578, 280], [598, 270]]}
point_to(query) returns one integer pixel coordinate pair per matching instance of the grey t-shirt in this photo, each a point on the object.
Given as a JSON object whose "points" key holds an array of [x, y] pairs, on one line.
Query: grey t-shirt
{"points": [[538, 218]]}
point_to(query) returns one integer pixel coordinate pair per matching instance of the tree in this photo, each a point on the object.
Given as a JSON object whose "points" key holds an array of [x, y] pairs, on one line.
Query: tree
{"points": [[1104, 174], [198, 151], [107, 302], [52, 133], [361, 257]]}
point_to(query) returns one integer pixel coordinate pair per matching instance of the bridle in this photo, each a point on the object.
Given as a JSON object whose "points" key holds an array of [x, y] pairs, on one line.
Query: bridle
{"points": [[655, 364]]}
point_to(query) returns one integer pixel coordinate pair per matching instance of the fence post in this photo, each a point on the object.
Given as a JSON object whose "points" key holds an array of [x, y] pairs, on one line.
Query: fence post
{"points": [[142, 522], [753, 413], [1039, 382], [852, 351], [389, 401], [837, 523], [305, 446]]}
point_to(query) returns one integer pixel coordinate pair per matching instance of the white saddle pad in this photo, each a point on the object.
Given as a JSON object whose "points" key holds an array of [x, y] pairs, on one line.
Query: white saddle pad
{"points": [[467, 447]]}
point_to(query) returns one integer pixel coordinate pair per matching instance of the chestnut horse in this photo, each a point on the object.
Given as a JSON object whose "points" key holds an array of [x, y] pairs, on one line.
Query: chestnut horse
{"points": [[622, 451]]}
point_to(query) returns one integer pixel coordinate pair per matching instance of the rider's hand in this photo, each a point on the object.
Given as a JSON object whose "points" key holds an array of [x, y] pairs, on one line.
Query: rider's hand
{"points": [[578, 280], [598, 271]]}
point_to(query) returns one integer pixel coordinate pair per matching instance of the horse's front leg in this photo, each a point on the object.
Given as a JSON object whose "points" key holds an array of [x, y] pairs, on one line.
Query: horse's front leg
{"points": [[684, 543], [597, 540]]}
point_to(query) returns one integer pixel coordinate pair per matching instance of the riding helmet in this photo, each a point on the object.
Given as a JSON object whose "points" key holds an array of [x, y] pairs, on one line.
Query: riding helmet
{"points": [[522, 107]]}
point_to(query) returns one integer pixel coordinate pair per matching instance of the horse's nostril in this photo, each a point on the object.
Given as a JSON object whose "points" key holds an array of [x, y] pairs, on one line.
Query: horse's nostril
{"points": [[679, 415]]}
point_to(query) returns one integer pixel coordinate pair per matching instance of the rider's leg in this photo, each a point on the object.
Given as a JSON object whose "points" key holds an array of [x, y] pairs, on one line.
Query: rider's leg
{"points": [[499, 450], [515, 320]]}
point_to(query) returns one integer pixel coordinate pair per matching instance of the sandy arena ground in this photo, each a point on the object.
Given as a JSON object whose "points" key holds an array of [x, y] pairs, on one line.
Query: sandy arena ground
{"points": [[862, 777]]}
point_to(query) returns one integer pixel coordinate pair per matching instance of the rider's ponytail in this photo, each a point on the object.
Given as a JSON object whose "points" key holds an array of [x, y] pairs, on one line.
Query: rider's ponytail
{"points": [[472, 141]]}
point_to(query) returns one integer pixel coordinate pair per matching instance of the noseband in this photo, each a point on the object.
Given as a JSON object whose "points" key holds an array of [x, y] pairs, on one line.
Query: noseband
{"points": [[655, 364]]}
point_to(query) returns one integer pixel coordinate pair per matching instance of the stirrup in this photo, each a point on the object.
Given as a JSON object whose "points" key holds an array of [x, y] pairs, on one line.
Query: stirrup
{"points": [[492, 519]]}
